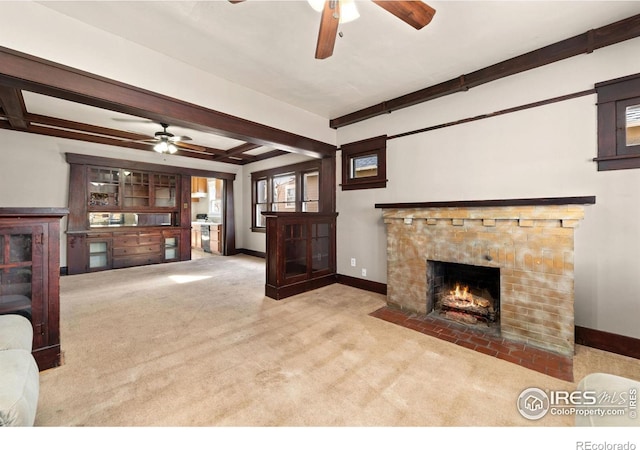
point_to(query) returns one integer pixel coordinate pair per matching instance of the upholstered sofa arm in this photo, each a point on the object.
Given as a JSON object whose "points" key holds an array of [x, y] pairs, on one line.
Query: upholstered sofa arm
{"points": [[19, 375], [613, 392]]}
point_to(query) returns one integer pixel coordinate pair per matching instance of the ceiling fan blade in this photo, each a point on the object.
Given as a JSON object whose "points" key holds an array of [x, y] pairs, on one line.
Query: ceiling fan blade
{"points": [[180, 138], [415, 13], [328, 29], [236, 1]]}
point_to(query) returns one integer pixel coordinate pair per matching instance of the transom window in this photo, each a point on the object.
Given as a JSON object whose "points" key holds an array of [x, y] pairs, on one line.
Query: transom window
{"points": [[364, 164], [619, 123], [294, 188]]}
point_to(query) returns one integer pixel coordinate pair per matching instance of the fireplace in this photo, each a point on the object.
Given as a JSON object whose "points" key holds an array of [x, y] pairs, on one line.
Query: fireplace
{"points": [[515, 257], [464, 293]]}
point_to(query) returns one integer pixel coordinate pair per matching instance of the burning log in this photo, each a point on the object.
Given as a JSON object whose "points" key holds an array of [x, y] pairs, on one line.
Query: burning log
{"points": [[461, 317], [461, 302]]}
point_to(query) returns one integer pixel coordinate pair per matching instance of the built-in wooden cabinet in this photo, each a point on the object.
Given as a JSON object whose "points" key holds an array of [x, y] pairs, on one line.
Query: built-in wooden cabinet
{"points": [[30, 275], [301, 252], [125, 216]]}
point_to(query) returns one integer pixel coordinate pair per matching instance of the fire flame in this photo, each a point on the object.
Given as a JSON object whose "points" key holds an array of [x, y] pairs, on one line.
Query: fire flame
{"points": [[462, 294]]}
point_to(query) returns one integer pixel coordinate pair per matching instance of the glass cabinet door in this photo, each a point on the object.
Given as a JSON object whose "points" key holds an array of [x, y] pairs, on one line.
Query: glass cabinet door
{"points": [[171, 248], [295, 250], [164, 188], [20, 270], [136, 189], [320, 247], [98, 254], [103, 187]]}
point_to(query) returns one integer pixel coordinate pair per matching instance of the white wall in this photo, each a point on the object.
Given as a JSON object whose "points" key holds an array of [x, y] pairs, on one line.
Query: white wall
{"points": [[541, 152]]}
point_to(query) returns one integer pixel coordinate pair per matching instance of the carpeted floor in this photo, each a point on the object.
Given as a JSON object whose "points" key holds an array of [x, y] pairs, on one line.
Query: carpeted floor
{"points": [[198, 344]]}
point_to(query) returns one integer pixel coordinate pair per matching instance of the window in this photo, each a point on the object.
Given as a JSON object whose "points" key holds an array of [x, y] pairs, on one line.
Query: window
{"points": [[364, 164], [619, 123], [294, 188], [311, 190]]}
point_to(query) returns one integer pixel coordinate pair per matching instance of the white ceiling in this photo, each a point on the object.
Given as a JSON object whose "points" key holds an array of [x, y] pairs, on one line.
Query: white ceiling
{"points": [[269, 47]]}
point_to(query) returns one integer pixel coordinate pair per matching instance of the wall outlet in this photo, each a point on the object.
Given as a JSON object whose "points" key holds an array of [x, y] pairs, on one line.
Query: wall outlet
{"points": [[353, 262], [364, 272]]}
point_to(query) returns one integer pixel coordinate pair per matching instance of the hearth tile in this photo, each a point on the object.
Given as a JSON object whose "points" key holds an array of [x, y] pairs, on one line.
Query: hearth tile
{"points": [[530, 357], [487, 351]]}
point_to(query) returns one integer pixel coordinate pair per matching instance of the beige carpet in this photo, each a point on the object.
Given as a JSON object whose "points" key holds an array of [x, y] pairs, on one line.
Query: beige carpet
{"points": [[197, 344]]}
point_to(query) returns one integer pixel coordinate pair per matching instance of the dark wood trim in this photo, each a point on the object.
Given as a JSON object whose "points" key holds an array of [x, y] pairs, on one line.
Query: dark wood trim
{"points": [[613, 98], [497, 113], [280, 292], [12, 103], [367, 285], [368, 147], [586, 42], [586, 200], [38, 212], [297, 167], [75, 158], [22, 71], [48, 357], [249, 252], [609, 342], [229, 223]]}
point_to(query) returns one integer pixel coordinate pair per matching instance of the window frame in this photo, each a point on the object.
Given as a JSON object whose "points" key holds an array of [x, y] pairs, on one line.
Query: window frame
{"points": [[298, 171], [376, 146], [613, 98]]}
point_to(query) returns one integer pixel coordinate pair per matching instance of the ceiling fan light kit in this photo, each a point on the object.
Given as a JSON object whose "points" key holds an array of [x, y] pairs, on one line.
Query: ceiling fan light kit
{"points": [[165, 146], [348, 9], [165, 140]]}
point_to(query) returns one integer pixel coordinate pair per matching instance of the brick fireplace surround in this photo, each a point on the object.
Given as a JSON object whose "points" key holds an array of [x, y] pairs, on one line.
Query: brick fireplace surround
{"points": [[531, 241]]}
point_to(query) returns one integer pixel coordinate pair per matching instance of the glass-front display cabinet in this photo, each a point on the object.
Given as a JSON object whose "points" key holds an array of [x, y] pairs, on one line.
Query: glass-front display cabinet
{"points": [[30, 274], [125, 216], [300, 252]]}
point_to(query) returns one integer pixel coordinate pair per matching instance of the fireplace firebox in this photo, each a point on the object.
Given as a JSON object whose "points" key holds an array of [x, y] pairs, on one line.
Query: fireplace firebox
{"points": [[464, 293]]}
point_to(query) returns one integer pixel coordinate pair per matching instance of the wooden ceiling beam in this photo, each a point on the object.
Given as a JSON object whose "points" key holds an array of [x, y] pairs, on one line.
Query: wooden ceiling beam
{"points": [[86, 128], [267, 155], [23, 71], [237, 151], [584, 43], [118, 134], [79, 136], [12, 104]]}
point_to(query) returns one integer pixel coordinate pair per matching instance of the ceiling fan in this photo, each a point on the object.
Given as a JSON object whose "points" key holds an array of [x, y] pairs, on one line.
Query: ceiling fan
{"points": [[414, 12], [165, 141]]}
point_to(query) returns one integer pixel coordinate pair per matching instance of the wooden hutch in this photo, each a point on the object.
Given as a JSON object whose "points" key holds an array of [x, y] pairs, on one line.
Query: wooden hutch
{"points": [[129, 213]]}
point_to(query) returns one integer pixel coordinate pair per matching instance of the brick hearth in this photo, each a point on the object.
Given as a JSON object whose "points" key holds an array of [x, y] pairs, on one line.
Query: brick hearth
{"points": [[533, 358]]}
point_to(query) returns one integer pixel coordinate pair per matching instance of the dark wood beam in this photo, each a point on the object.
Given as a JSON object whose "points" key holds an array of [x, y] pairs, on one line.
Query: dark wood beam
{"points": [[267, 155], [126, 136], [83, 127], [237, 151], [23, 71], [584, 43], [78, 136], [12, 104]]}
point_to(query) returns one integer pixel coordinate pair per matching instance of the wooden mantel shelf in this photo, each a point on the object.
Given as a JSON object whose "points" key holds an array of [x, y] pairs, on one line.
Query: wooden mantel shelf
{"points": [[586, 200]]}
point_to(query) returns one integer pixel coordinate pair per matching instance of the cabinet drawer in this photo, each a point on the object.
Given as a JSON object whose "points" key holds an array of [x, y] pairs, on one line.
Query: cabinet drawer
{"points": [[135, 260], [150, 239], [125, 241], [140, 249]]}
